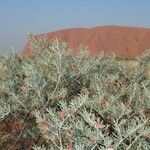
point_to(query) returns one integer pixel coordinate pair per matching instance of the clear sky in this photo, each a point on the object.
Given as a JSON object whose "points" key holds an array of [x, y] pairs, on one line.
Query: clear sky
{"points": [[37, 16]]}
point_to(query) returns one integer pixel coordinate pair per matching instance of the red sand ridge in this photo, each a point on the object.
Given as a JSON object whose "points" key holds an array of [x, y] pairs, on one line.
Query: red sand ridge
{"points": [[125, 42]]}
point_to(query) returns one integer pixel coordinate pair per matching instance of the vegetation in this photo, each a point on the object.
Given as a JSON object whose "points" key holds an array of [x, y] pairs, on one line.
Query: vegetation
{"points": [[58, 101]]}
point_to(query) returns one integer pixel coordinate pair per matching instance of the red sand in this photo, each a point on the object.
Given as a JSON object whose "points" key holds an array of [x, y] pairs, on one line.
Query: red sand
{"points": [[126, 42]]}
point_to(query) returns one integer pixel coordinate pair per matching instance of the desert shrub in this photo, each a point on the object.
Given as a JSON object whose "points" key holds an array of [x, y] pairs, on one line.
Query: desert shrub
{"points": [[77, 101]]}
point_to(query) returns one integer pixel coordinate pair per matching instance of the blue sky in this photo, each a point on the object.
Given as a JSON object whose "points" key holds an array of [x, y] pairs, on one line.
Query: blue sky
{"points": [[20, 16]]}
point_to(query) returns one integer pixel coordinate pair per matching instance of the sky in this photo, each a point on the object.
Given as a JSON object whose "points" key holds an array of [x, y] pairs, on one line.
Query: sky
{"points": [[17, 17]]}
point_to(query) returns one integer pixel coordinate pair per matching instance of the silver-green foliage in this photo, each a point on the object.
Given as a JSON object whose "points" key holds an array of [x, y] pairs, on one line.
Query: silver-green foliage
{"points": [[92, 102]]}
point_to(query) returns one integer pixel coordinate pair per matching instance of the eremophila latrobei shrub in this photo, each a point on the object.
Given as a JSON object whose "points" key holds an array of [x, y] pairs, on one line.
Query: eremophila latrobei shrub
{"points": [[77, 102]]}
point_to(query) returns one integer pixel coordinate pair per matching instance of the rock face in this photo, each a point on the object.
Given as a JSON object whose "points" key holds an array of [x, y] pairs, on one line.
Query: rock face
{"points": [[124, 42]]}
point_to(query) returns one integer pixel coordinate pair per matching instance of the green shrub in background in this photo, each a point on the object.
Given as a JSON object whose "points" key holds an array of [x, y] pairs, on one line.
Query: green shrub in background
{"points": [[77, 102]]}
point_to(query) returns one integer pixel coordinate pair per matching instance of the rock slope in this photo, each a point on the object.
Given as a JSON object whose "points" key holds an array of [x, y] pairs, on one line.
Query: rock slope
{"points": [[125, 42]]}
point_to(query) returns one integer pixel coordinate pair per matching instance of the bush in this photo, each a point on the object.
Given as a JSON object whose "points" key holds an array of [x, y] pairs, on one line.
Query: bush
{"points": [[63, 101]]}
